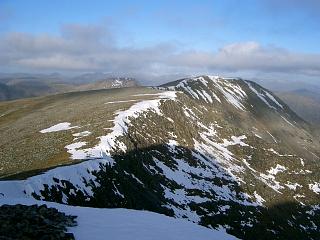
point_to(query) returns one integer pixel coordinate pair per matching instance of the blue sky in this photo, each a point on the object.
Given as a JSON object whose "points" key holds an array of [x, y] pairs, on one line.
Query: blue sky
{"points": [[205, 24], [197, 28]]}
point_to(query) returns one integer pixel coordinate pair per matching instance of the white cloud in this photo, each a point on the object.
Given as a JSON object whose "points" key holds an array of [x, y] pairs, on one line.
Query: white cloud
{"points": [[251, 56], [94, 48]]}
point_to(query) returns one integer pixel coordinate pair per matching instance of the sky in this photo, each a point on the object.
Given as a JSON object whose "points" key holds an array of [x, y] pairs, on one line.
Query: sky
{"points": [[152, 40]]}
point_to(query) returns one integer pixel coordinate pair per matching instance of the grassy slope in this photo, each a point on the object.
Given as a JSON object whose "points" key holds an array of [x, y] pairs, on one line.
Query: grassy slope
{"points": [[24, 148]]}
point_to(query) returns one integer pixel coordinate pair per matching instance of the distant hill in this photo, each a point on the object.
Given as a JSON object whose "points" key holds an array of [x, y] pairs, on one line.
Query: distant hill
{"points": [[288, 85], [305, 103], [107, 84], [17, 86], [8, 92]]}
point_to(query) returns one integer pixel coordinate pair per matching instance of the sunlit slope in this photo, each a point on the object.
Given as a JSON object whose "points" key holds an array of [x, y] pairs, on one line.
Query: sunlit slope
{"points": [[23, 147]]}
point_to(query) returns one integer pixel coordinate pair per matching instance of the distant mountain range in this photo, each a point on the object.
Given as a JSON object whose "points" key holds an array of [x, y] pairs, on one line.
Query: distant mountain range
{"points": [[19, 85]]}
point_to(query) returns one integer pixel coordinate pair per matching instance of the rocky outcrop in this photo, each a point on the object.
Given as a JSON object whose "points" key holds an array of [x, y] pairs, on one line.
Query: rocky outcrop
{"points": [[34, 222]]}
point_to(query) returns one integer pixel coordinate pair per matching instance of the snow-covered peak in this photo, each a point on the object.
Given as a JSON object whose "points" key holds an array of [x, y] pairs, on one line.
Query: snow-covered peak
{"points": [[241, 94], [213, 89]]}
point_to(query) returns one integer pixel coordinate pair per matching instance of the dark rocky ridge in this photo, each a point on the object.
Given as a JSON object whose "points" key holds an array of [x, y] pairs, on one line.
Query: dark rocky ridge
{"points": [[34, 222]]}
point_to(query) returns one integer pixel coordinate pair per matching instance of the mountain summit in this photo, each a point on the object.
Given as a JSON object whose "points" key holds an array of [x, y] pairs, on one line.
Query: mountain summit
{"points": [[220, 152]]}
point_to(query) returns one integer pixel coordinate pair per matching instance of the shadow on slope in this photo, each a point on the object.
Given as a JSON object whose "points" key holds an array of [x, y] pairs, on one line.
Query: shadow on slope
{"points": [[137, 182]]}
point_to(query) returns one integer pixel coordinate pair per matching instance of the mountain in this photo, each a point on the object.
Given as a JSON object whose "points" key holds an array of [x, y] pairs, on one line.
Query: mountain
{"points": [[222, 153], [15, 86]]}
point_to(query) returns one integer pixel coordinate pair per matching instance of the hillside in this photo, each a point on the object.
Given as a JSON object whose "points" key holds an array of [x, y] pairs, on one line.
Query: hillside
{"points": [[22, 120], [222, 153]]}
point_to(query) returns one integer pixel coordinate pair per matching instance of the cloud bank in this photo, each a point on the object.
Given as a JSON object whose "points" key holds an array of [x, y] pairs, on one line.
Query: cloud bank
{"points": [[81, 48]]}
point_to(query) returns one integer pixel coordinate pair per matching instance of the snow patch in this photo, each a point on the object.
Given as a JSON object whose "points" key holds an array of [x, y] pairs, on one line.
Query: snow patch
{"points": [[292, 186], [82, 134], [315, 187], [58, 127], [125, 101], [277, 169], [73, 149], [259, 199], [235, 141]]}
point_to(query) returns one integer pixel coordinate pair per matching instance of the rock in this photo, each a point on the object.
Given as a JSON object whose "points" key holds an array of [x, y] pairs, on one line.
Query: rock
{"points": [[34, 222]]}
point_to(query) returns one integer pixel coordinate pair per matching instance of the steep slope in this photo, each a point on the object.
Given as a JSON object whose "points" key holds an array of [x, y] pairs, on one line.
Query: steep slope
{"points": [[219, 152]]}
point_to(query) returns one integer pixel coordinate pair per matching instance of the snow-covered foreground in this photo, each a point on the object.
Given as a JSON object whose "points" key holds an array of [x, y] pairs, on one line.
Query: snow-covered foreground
{"points": [[125, 224]]}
